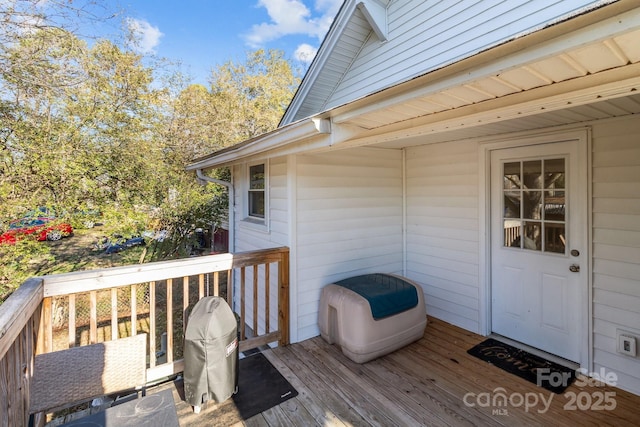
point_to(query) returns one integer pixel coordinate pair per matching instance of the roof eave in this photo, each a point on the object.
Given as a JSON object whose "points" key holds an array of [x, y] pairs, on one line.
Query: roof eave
{"points": [[283, 136]]}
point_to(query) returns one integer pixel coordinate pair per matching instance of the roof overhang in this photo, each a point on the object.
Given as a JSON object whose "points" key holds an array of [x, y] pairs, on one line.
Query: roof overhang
{"points": [[303, 130], [588, 59]]}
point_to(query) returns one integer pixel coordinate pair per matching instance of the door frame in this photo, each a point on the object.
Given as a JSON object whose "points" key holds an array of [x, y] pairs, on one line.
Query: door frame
{"points": [[486, 147]]}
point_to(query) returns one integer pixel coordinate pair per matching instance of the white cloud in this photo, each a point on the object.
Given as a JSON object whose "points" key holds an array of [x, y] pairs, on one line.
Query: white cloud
{"points": [[290, 17], [305, 53], [145, 36]]}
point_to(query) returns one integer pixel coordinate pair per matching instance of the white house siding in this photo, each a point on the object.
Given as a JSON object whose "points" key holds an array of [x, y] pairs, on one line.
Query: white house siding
{"points": [[427, 35], [616, 246], [349, 211], [251, 237], [442, 229]]}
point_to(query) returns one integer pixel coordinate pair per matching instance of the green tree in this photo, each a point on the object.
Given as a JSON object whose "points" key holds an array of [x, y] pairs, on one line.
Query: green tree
{"points": [[251, 96], [88, 127], [245, 100]]}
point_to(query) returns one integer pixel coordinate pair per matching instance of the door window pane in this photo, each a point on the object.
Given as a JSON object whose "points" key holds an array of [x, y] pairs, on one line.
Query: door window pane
{"points": [[554, 173], [512, 234], [554, 205], [554, 238], [534, 205], [511, 176], [532, 171], [532, 236], [512, 204]]}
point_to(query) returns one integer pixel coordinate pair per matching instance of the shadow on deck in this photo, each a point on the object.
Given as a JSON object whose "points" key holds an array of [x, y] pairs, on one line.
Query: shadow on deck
{"points": [[431, 382]]}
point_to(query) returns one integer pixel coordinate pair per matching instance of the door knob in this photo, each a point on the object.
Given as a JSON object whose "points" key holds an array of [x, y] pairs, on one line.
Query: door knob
{"points": [[574, 268], [575, 252]]}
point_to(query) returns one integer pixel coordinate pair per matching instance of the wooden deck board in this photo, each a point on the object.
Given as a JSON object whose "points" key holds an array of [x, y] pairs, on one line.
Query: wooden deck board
{"points": [[424, 383]]}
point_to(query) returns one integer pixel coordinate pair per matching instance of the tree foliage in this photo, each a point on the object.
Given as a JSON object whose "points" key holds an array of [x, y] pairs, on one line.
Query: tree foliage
{"points": [[84, 124]]}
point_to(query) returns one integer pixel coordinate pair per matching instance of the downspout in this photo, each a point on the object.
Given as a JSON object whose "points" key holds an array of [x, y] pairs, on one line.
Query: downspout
{"points": [[232, 225]]}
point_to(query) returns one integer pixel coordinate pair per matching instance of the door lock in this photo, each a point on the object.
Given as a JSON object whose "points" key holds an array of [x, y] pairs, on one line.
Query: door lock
{"points": [[574, 268], [575, 252]]}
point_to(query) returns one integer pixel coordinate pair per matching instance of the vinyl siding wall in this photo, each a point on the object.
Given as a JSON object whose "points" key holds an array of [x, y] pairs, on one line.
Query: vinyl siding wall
{"points": [[251, 237], [616, 246], [442, 229], [443, 237], [349, 222], [427, 35]]}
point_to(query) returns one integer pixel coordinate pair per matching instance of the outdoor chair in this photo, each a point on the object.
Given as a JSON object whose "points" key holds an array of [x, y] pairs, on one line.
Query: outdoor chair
{"points": [[79, 374]]}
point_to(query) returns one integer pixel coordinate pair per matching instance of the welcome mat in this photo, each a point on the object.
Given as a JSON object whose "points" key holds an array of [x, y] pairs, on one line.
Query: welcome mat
{"points": [[260, 386], [544, 373]]}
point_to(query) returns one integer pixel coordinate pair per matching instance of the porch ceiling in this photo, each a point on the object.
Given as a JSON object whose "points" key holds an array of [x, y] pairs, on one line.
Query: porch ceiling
{"points": [[580, 114], [595, 80]]}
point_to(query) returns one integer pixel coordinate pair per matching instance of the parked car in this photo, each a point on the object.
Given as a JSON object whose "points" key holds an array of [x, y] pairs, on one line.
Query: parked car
{"points": [[43, 228]]}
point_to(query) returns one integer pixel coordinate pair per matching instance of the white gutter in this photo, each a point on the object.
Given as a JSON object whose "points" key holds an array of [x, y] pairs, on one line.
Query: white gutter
{"points": [[277, 138], [201, 176]]}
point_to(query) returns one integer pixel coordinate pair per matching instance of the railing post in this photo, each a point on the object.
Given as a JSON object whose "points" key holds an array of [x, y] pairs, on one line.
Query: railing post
{"points": [[283, 298], [20, 318]]}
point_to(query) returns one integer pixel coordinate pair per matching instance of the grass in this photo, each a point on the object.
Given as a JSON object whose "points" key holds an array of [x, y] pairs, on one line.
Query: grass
{"points": [[69, 254], [78, 253]]}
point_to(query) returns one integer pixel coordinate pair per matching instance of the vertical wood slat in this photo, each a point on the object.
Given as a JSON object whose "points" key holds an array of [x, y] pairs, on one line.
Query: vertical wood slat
{"points": [[72, 320], [267, 302], [216, 283], [26, 367], [200, 286], [243, 276], [283, 299], [169, 320], [46, 343], [152, 324], [134, 310], [22, 334], [255, 300], [8, 385], [16, 369], [230, 288], [40, 346], [114, 313], [185, 302], [93, 317]]}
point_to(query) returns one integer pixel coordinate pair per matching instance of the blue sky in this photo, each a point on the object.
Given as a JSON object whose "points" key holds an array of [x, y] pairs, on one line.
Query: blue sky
{"points": [[203, 34]]}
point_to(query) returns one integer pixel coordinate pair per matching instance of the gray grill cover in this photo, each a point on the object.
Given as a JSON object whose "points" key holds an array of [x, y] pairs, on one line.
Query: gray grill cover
{"points": [[210, 352]]}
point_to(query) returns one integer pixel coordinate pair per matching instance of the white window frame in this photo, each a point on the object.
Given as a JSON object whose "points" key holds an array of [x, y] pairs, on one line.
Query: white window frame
{"points": [[248, 217]]}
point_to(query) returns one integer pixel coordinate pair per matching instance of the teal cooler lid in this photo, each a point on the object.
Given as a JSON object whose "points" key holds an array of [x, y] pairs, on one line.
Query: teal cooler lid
{"points": [[387, 295]]}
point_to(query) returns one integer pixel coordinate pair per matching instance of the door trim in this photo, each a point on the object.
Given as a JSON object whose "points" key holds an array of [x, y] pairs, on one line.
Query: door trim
{"points": [[583, 136]]}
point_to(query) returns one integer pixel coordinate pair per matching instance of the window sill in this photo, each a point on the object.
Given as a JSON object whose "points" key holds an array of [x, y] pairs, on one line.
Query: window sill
{"points": [[254, 224]]}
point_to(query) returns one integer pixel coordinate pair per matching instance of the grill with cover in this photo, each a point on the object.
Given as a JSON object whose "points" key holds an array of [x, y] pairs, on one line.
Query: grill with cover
{"points": [[210, 353]]}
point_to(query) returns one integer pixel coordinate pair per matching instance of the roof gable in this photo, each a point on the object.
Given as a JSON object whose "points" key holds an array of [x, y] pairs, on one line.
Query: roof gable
{"points": [[356, 23], [376, 44]]}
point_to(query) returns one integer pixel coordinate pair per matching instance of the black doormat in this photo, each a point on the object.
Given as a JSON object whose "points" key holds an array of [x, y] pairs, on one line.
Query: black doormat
{"points": [[260, 386], [544, 373]]}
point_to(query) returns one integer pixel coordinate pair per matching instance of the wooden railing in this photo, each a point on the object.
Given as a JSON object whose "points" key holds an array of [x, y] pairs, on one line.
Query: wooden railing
{"points": [[66, 310], [19, 320]]}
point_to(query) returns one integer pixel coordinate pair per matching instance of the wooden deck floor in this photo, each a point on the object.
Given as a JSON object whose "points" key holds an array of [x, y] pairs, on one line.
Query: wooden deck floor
{"points": [[422, 384]]}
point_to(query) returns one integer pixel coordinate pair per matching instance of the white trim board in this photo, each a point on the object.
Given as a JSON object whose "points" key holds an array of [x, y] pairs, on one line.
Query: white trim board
{"points": [[484, 224]]}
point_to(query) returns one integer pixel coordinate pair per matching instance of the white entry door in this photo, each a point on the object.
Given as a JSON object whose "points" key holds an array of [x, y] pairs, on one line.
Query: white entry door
{"points": [[538, 246]]}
